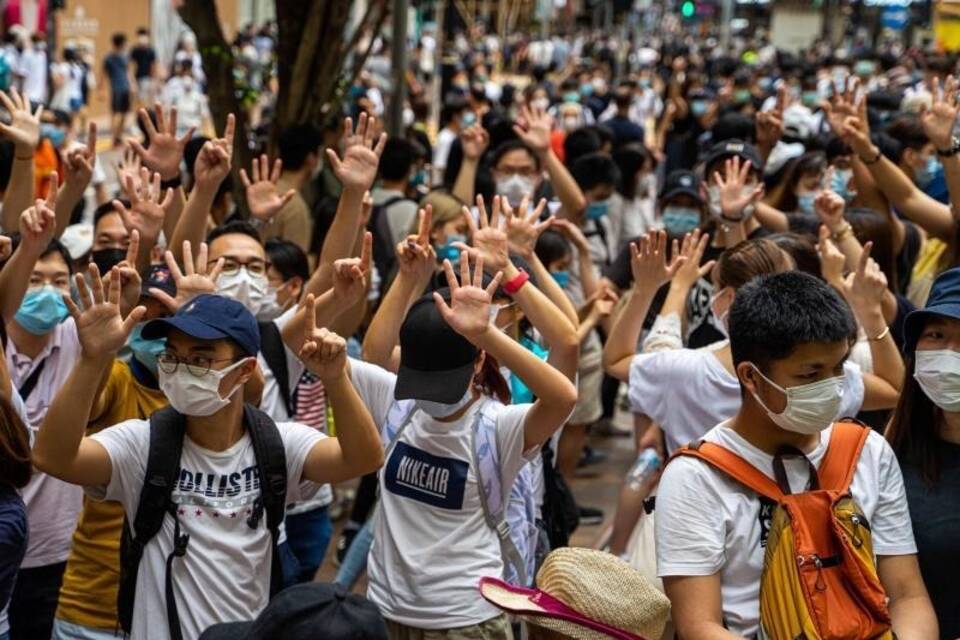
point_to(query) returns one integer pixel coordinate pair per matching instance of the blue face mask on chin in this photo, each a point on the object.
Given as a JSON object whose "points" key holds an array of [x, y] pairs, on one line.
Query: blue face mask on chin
{"points": [[598, 209], [928, 172], [146, 351], [54, 134], [805, 203], [562, 278], [841, 184], [449, 252], [680, 220], [42, 309]]}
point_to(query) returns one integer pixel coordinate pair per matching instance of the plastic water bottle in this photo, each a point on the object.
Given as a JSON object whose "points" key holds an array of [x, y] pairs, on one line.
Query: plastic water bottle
{"points": [[646, 465]]}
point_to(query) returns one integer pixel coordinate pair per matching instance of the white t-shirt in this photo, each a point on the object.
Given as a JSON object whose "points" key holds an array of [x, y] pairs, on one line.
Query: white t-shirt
{"points": [[708, 522], [225, 574], [686, 391], [431, 542], [271, 402]]}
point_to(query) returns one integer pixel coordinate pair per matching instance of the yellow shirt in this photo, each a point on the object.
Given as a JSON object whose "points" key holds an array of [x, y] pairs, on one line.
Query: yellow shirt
{"points": [[88, 596]]}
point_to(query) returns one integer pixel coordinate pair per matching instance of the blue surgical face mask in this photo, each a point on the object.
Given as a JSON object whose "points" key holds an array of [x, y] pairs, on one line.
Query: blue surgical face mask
{"points": [[586, 89], [42, 309], [54, 134], [928, 172], [419, 178], [698, 107], [810, 98], [805, 202], [146, 351], [571, 96], [841, 184], [598, 209], [469, 119], [562, 278], [449, 252], [680, 220], [646, 83]]}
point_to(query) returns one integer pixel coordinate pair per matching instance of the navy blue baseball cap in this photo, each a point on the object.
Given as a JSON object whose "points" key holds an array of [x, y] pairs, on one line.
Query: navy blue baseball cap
{"points": [[210, 317], [944, 300]]}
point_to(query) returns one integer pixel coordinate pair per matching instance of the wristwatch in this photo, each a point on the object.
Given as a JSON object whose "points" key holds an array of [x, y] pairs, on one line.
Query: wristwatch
{"points": [[952, 151]]}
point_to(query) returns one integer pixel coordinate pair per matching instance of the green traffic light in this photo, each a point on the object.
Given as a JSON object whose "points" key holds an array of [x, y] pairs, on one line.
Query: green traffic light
{"points": [[687, 9]]}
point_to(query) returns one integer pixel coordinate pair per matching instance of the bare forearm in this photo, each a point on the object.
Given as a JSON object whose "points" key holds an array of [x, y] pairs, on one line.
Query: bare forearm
{"points": [[566, 188], [920, 208], [327, 310], [914, 619], [174, 212], [589, 279], [625, 334], [546, 382], [463, 187], [19, 193], [340, 239], [67, 201], [887, 362], [772, 218], [357, 434], [552, 290], [383, 334], [192, 224]]}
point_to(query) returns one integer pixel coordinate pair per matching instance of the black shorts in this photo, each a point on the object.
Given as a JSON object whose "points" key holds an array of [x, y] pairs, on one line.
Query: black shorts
{"points": [[120, 102]]}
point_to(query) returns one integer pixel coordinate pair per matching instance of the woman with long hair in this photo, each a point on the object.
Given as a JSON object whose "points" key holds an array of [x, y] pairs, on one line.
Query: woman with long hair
{"points": [[925, 434]]}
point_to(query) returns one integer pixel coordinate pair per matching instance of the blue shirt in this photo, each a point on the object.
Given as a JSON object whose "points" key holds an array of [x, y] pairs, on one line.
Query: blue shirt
{"points": [[13, 540], [115, 66]]}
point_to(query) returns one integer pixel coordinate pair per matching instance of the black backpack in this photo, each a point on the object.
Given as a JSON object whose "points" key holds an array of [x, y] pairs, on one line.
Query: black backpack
{"points": [[384, 251], [274, 352], [559, 510], [167, 429]]}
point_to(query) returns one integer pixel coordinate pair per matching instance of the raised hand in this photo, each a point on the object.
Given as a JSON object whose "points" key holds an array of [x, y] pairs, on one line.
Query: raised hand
{"points": [[603, 302], [842, 105], [573, 233], [469, 310], [690, 253], [769, 127], [213, 163], [350, 275], [867, 285], [474, 140], [415, 255], [79, 162], [534, 127], [361, 155], [938, 121], [130, 281], [856, 131], [24, 128], [832, 261], [523, 229], [324, 353], [38, 224], [648, 261], [736, 196], [129, 165], [489, 240], [262, 196], [193, 281], [147, 211], [830, 206], [166, 150], [366, 209], [101, 330]]}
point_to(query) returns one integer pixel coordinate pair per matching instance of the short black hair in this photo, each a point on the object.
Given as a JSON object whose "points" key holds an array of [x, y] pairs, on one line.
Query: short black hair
{"points": [[733, 125], [118, 40], [105, 209], [513, 145], [288, 259], [908, 131], [595, 169], [55, 246], [296, 143], [236, 226], [774, 314], [398, 156], [143, 31], [579, 143], [552, 246]]}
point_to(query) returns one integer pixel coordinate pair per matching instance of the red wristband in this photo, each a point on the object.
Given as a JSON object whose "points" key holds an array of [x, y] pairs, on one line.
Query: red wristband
{"points": [[511, 288]]}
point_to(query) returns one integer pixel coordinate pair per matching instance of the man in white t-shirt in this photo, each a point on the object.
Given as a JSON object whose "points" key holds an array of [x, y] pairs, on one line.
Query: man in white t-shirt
{"points": [[211, 347], [790, 336]]}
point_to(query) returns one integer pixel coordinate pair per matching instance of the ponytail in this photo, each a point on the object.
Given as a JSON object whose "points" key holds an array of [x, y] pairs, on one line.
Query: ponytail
{"points": [[491, 382]]}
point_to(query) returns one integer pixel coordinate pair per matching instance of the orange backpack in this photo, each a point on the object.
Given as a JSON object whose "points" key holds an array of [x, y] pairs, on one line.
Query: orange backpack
{"points": [[819, 580]]}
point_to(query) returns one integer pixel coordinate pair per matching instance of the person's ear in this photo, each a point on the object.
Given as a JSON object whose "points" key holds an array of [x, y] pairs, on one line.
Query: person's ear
{"points": [[749, 377], [909, 157], [295, 286]]}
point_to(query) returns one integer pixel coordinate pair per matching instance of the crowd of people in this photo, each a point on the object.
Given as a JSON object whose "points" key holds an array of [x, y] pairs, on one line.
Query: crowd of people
{"points": [[761, 246]]}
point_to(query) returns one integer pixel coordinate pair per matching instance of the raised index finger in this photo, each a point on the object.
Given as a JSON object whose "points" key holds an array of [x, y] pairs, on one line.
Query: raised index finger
{"points": [[864, 259], [310, 308], [133, 249]]}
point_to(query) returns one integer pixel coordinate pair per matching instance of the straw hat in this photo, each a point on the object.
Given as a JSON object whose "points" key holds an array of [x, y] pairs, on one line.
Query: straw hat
{"points": [[586, 595]]}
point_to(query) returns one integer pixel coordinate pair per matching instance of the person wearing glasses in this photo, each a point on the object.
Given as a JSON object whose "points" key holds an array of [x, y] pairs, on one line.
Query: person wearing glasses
{"points": [[210, 348]]}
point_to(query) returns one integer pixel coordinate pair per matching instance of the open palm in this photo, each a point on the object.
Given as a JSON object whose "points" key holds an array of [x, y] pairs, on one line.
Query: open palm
{"points": [[524, 229], [100, 328], [262, 196], [165, 150], [468, 312], [939, 121], [147, 211], [24, 128], [361, 156]]}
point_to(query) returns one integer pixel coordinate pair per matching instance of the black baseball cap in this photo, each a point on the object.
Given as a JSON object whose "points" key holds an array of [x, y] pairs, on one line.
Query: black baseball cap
{"points": [[158, 277], [436, 362], [681, 183], [731, 148], [210, 317], [305, 612]]}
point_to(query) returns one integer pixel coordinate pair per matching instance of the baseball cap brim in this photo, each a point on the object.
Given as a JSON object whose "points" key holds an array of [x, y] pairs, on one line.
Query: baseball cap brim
{"points": [[160, 327], [446, 386], [228, 631], [682, 191], [915, 320], [542, 609]]}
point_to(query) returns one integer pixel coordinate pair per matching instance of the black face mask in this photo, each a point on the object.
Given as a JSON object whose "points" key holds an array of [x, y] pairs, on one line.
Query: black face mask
{"points": [[107, 259]]}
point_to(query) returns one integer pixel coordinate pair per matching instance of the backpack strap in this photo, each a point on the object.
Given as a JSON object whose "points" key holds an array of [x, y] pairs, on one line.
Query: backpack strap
{"points": [[840, 461], [395, 425], [493, 498], [167, 429], [31, 382], [275, 353], [272, 467], [734, 466]]}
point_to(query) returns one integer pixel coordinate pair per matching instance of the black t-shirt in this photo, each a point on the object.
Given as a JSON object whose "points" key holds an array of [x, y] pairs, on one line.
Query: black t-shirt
{"points": [[935, 512], [143, 58], [908, 255]]}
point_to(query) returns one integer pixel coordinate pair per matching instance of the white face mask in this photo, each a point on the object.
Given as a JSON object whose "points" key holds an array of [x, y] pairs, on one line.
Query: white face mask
{"points": [[439, 410], [514, 187], [720, 319], [270, 309], [811, 408], [193, 396], [246, 288], [938, 373]]}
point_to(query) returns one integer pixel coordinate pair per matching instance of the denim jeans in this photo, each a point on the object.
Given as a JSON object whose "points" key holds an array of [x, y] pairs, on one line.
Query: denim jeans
{"points": [[309, 535], [355, 562]]}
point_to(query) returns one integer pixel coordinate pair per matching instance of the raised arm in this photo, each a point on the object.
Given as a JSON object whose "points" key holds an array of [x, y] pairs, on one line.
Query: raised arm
{"points": [[417, 264], [357, 449], [687, 275], [589, 278], [474, 141], [78, 166], [356, 172], [37, 228], [24, 132], [263, 199], [648, 261], [61, 450], [534, 127], [469, 315], [146, 213], [938, 123]]}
